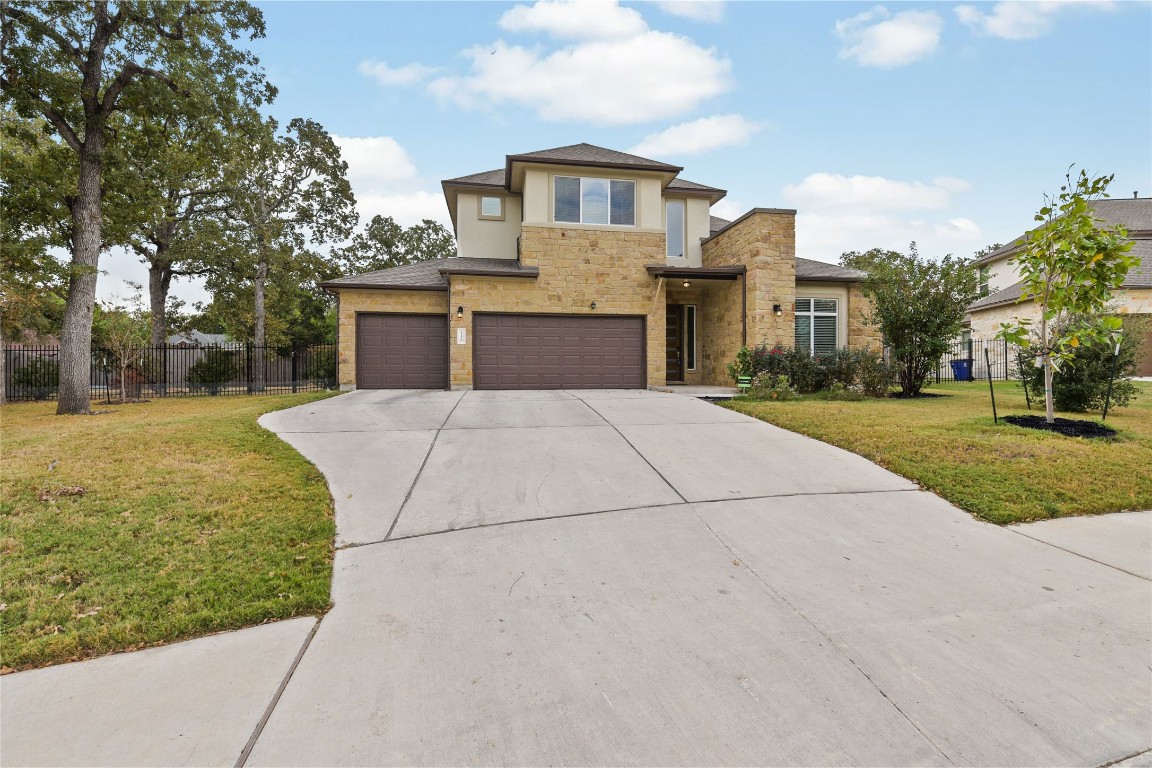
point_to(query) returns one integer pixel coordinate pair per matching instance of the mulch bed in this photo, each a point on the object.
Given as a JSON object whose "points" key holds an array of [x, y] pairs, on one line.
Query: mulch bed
{"points": [[1066, 427]]}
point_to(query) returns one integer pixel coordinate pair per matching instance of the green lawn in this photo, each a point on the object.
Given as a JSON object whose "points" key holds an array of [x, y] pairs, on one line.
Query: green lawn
{"points": [[193, 519], [1003, 474]]}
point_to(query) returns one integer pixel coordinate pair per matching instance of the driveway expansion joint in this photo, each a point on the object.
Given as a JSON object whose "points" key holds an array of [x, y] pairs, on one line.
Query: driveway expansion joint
{"points": [[423, 464], [263, 721], [1018, 532], [831, 640]]}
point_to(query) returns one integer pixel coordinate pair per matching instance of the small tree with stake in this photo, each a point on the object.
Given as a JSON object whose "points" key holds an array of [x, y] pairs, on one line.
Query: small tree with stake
{"points": [[1069, 266]]}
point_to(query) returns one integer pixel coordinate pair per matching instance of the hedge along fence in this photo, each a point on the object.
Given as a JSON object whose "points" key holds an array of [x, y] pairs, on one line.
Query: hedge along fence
{"points": [[32, 373]]}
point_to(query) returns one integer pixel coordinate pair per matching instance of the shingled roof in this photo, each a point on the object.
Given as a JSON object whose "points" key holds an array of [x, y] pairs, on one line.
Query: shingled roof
{"points": [[807, 269], [483, 179], [589, 154], [431, 275], [1134, 214]]}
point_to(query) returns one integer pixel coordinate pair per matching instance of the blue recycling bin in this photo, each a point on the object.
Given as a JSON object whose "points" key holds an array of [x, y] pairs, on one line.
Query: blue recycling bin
{"points": [[961, 370]]}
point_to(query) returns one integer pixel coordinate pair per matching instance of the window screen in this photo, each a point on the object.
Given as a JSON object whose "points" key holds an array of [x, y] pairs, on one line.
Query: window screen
{"points": [[675, 215], [594, 201], [568, 199], [624, 203]]}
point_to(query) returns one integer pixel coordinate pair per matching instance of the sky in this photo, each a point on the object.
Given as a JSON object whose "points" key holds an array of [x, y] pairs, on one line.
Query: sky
{"points": [[942, 123]]}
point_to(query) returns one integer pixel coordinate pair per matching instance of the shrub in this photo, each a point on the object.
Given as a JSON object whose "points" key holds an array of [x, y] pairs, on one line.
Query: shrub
{"points": [[771, 386], [858, 370], [40, 377], [839, 391], [1081, 382], [212, 371], [874, 375]]}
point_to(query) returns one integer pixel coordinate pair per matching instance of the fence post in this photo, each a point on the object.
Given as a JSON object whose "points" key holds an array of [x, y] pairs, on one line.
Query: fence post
{"points": [[248, 365], [293, 368]]}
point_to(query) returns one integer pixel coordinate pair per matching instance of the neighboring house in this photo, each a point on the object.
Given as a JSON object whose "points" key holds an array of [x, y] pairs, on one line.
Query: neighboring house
{"points": [[198, 339], [582, 267], [1002, 277]]}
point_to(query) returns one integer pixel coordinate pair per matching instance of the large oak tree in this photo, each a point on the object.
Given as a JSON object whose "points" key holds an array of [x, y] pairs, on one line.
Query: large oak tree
{"points": [[85, 66]]}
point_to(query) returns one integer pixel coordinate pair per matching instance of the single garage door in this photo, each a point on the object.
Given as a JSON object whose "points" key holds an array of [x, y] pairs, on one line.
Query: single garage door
{"points": [[558, 352], [401, 351]]}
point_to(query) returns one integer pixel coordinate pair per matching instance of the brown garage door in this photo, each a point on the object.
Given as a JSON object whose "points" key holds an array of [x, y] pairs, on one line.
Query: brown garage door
{"points": [[402, 351], [558, 352]]}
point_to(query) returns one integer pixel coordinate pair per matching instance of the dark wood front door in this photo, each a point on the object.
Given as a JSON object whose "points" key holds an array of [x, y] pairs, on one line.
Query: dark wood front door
{"points": [[674, 322]]}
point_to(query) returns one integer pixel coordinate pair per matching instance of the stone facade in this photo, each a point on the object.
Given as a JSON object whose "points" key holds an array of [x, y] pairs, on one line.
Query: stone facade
{"points": [[354, 300], [577, 267], [860, 332], [765, 243]]}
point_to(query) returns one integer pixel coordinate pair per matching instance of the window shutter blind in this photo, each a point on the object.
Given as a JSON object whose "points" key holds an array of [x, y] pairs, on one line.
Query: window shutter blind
{"points": [[624, 203], [568, 199], [803, 332], [824, 334]]}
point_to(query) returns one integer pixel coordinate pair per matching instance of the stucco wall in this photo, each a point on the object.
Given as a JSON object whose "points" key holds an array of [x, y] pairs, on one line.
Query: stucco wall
{"points": [[486, 238], [1002, 273], [354, 300], [578, 266]]}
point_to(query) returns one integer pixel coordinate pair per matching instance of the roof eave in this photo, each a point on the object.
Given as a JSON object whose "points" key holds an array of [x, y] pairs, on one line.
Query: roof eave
{"points": [[332, 286]]}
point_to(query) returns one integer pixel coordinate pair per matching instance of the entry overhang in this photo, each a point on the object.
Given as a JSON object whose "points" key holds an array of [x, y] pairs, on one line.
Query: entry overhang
{"points": [[697, 273]]}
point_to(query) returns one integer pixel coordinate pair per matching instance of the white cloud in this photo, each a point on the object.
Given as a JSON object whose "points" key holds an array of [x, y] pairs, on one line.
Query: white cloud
{"points": [[828, 191], [1023, 20], [375, 160], [409, 74], [838, 213], [575, 19], [877, 38], [729, 209], [698, 136], [386, 182], [651, 76], [697, 10], [407, 208]]}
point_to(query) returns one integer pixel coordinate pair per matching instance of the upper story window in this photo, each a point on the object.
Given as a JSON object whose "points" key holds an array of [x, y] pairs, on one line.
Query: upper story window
{"points": [[816, 321], [674, 213], [584, 200], [491, 207], [984, 275]]}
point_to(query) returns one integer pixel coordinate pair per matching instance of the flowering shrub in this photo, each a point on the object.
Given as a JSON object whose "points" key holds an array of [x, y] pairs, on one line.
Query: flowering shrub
{"points": [[771, 386]]}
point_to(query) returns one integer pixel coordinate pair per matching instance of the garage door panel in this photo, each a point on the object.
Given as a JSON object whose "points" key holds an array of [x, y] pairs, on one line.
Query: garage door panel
{"points": [[521, 351], [401, 351]]}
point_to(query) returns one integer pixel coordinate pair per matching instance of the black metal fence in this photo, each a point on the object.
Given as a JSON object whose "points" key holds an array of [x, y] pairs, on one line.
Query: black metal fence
{"points": [[32, 373], [1002, 363]]}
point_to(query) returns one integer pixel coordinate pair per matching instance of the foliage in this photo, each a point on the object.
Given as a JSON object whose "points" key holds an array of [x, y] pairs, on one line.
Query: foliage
{"points": [[1081, 383], [1069, 266], [123, 332], [322, 365], [212, 371], [1002, 474], [385, 244], [771, 386], [919, 305], [203, 522], [89, 70], [858, 370], [40, 376]]}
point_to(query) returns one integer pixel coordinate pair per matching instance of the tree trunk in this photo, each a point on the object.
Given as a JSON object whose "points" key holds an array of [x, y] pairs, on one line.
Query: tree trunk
{"points": [[258, 331], [1049, 406], [159, 281], [76, 333]]}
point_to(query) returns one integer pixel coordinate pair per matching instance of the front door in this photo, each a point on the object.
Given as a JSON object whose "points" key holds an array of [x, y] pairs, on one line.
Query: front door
{"points": [[674, 323]]}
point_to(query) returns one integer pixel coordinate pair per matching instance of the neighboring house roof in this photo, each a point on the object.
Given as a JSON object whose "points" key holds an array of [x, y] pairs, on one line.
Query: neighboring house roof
{"points": [[1139, 276], [807, 269], [1134, 214], [715, 224], [200, 339], [431, 275], [589, 154]]}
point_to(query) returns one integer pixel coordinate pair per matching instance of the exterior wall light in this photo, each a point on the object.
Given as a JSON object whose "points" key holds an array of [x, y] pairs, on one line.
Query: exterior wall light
{"points": [[687, 283], [459, 313], [592, 305], [778, 310]]}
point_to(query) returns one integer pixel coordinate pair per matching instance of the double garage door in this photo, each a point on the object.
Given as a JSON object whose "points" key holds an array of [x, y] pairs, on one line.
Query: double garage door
{"points": [[510, 351]]}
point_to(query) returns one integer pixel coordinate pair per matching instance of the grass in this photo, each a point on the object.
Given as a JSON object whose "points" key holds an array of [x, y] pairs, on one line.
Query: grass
{"points": [[1000, 473], [193, 519]]}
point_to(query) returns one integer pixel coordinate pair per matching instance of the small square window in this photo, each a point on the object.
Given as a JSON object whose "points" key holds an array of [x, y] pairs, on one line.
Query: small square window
{"points": [[491, 207]]}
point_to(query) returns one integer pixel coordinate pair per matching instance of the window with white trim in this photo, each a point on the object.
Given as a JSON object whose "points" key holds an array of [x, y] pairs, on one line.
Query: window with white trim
{"points": [[674, 213], [585, 200], [816, 324]]}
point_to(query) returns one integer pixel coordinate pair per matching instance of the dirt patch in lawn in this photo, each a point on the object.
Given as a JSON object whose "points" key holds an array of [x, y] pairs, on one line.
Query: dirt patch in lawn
{"points": [[1066, 427]]}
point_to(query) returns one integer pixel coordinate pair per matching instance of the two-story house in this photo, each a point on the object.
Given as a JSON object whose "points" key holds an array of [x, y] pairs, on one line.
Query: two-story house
{"points": [[1002, 287], [582, 267]]}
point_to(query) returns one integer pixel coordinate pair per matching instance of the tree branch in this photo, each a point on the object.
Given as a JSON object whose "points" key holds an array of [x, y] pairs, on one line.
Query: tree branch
{"points": [[42, 27]]}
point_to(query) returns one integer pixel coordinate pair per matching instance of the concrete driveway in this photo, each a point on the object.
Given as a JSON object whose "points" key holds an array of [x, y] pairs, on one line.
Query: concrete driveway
{"points": [[636, 578]]}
